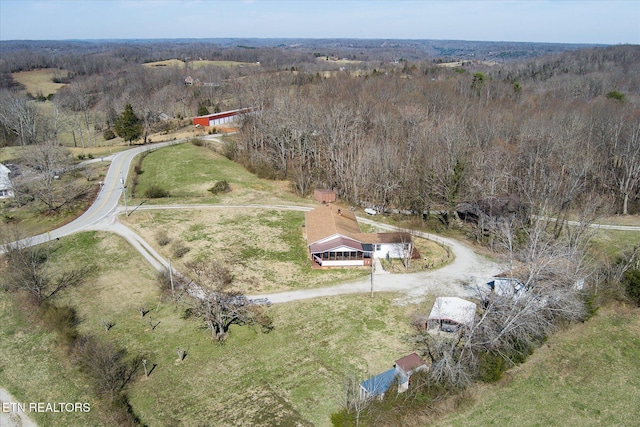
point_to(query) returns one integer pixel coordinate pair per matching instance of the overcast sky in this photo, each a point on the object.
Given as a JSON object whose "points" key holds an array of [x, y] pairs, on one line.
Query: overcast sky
{"points": [[554, 21]]}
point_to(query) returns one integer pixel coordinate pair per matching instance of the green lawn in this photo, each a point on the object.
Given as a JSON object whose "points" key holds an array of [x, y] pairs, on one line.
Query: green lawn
{"points": [[612, 243], [293, 375], [187, 171], [588, 375]]}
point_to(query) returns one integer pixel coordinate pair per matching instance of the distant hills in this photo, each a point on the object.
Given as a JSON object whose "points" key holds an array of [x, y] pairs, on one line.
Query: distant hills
{"points": [[357, 49]]}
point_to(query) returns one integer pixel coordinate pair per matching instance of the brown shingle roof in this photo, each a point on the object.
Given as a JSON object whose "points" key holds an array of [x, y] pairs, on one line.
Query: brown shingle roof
{"points": [[410, 362], [328, 220]]}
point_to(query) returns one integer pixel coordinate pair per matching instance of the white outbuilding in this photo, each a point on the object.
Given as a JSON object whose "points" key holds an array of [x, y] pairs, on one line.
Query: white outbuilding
{"points": [[449, 314], [6, 190]]}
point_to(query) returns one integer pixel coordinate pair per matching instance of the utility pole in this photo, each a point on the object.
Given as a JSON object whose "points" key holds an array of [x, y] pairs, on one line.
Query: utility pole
{"points": [[124, 195], [171, 278], [373, 268]]}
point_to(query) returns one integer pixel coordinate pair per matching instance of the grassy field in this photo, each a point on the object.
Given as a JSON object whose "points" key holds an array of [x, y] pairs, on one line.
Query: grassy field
{"points": [[588, 375], [611, 243], [198, 64], [264, 248], [39, 81], [290, 376], [187, 171]]}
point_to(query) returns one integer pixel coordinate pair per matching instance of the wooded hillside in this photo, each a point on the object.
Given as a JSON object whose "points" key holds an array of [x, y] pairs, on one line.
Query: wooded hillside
{"points": [[554, 133]]}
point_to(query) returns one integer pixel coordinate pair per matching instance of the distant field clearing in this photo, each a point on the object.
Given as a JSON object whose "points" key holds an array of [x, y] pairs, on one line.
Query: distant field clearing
{"points": [[40, 81], [198, 64]]}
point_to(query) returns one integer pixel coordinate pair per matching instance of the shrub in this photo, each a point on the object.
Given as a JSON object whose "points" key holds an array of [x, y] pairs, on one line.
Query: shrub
{"points": [[109, 366], [108, 134], [162, 238], [179, 249], [220, 187], [156, 192], [163, 280], [614, 94], [230, 150], [63, 320], [631, 283], [490, 367]]}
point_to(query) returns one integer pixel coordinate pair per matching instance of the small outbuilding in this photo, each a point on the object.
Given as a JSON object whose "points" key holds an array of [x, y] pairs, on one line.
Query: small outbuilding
{"points": [[507, 287], [450, 314], [6, 189], [410, 364], [400, 374], [378, 385], [324, 195]]}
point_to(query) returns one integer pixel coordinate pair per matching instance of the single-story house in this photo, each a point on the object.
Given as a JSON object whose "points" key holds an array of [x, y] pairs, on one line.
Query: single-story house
{"points": [[6, 189], [217, 119], [334, 239], [450, 314]]}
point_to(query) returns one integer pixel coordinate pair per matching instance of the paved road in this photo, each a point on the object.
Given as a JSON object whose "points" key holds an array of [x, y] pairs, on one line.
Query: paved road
{"points": [[108, 197], [13, 418]]}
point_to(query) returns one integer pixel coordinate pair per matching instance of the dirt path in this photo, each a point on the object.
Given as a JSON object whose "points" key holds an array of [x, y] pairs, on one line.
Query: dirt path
{"points": [[12, 418]]}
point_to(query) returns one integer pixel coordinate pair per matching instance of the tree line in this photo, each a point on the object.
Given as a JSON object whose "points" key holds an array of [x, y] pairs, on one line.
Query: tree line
{"points": [[428, 139]]}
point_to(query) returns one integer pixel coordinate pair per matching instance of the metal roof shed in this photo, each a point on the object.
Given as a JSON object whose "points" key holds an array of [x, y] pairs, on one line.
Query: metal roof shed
{"points": [[378, 385], [450, 313]]}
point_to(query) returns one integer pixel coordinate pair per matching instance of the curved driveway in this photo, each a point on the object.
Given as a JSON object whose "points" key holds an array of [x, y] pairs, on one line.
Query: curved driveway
{"points": [[461, 277]]}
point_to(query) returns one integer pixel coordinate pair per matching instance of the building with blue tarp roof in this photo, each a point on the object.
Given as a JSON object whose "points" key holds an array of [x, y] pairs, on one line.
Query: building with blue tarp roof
{"points": [[378, 385]]}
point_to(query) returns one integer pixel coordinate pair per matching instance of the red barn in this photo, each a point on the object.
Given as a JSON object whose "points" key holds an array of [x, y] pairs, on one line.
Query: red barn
{"points": [[220, 118]]}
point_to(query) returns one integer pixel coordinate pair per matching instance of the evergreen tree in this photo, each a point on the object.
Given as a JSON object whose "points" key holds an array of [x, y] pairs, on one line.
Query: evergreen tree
{"points": [[128, 125]]}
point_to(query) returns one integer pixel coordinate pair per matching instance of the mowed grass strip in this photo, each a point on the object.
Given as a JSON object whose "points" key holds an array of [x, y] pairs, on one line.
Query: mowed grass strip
{"points": [[187, 171], [588, 375], [290, 376]]}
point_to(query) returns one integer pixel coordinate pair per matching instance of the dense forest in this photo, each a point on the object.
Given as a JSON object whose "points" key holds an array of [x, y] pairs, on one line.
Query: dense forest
{"points": [[554, 133]]}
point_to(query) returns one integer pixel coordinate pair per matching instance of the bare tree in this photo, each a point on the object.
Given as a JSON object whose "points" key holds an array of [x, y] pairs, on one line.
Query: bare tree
{"points": [[546, 273], [28, 271], [111, 368], [52, 160], [20, 116], [218, 305], [355, 401]]}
